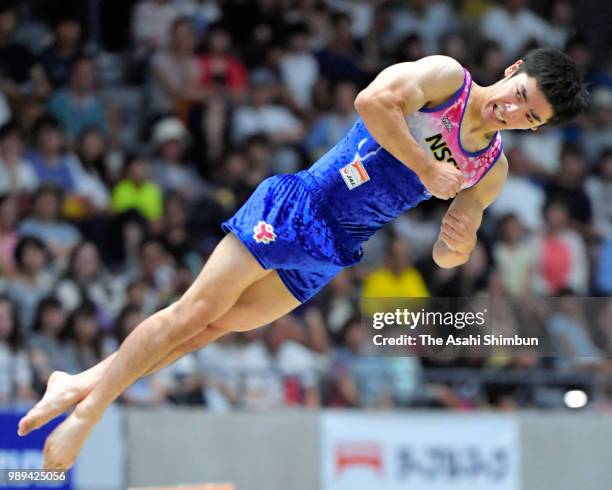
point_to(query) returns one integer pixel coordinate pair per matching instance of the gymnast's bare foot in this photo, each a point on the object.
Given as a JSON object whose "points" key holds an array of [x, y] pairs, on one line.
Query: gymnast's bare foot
{"points": [[63, 391]]}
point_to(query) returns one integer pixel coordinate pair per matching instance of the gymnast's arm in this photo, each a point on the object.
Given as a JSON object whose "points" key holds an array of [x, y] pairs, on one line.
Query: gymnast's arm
{"points": [[402, 89], [460, 224]]}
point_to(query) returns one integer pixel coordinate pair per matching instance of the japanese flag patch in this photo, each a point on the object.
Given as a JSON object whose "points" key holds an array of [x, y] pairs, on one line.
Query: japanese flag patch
{"points": [[354, 174]]}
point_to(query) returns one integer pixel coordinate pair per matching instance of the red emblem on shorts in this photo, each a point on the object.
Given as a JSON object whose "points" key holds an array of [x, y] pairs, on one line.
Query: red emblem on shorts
{"points": [[264, 233]]}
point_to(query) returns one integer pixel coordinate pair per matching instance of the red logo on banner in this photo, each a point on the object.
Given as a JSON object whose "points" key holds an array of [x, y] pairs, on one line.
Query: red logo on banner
{"points": [[364, 454]]}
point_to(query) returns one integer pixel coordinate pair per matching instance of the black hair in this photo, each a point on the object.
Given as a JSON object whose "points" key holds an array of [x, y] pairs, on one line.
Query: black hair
{"points": [[9, 129], [552, 202], [504, 220], [48, 188], [338, 17], [132, 158], [25, 242], [558, 78], [70, 272], [179, 21], [46, 121], [14, 340], [87, 309], [127, 311], [45, 304], [572, 149]]}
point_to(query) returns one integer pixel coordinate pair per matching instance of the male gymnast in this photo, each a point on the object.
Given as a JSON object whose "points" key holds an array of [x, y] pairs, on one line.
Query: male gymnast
{"points": [[425, 129]]}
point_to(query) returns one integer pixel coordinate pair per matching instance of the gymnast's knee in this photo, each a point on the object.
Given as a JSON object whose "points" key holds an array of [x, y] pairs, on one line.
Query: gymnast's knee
{"points": [[190, 316]]}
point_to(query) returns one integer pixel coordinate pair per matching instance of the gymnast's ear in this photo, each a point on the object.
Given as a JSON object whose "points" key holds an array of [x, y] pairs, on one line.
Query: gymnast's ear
{"points": [[513, 68]]}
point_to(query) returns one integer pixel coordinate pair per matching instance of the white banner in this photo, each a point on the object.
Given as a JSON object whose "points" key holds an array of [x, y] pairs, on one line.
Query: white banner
{"points": [[416, 452]]}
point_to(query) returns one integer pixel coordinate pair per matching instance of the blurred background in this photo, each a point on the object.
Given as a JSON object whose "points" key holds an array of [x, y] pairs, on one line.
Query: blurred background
{"points": [[129, 130]]}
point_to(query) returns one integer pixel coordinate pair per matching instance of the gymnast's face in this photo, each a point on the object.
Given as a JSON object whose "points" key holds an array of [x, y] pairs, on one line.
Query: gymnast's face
{"points": [[516, 102]]}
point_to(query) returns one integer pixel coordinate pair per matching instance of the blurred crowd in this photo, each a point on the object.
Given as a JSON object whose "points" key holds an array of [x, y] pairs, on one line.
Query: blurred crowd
{"points": [[128, 133]]}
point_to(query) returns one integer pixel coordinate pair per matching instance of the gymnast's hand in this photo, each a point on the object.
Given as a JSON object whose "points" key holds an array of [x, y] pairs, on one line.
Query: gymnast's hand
{"points": [[458, 232], [442, 180]]}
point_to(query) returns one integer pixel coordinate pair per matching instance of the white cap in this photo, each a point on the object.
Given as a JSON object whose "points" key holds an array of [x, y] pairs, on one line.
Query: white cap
{"points": [[169, 129]]}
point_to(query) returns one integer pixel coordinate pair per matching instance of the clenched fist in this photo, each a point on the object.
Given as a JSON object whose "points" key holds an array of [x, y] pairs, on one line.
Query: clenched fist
{"points": [[458, 232], [442, 180]]}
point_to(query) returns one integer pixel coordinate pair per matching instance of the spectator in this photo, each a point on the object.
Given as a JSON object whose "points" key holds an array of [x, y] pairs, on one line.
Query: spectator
{"points": [[8, 235], [570, 332], [204, 13], [410, 49], [339, 301], [15, 373], [295, 362], [235, 176], [93, 181], [489, 63], [151, 22], [16, 61], [520, 195], [598, 138], [66, 49], [48, 160], [601, 76], [358, 380], [221, 71], [183, 382], [47, 348], [220, 362], [568, 186], [278, 370], [331, 127], [169, 170], [79, 105], [513, 256], [430, 19], [154, 274], [559, 254], [470, 279], [563, 22], [135, 191], [298, 66], [86, 280], [224, 78], [398, 278], [85, 332], [175, 75], [454, 44], [513, 25], [259, 152], [599, 189], [16, 175], [32, 281], [45, 223], [263, 115], [340, 59], [177, 239], [148, 390]]}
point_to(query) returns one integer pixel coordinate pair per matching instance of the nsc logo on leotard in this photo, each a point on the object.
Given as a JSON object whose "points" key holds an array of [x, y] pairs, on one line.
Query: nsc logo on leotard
{"points": [[440, 149], [354, 174]]}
